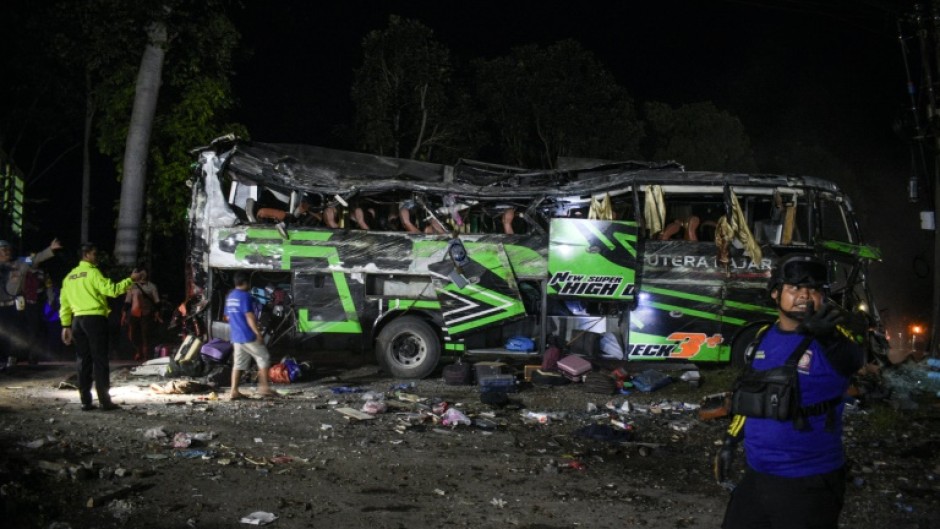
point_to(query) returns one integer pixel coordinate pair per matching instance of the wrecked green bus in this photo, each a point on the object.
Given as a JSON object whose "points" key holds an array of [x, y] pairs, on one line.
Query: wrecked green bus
{"points": [[410, 261]]}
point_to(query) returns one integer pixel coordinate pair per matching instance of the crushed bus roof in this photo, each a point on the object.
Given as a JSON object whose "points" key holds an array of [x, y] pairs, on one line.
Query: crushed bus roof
{"points": [[335, 172]]}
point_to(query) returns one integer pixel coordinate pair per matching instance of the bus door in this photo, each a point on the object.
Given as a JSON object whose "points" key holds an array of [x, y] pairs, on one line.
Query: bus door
{"points": [[591, 280]]}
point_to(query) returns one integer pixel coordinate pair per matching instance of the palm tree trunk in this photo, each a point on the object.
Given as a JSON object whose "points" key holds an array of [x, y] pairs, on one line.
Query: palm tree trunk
{"points": [[134, 179], [86, 157]]}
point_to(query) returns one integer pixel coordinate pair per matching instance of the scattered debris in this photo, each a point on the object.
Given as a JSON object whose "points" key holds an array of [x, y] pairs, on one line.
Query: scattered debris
{"points": [[351, 413], [181, 387], [259, 518], [122, 492]]}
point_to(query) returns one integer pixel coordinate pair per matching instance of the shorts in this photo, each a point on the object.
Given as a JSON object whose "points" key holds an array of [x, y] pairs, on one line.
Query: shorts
{"points": [[245, 352]]}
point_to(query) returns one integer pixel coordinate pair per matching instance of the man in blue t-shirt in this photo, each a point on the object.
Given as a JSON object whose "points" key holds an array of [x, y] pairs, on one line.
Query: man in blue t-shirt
{"points": [[246, 338], [795, 475]]}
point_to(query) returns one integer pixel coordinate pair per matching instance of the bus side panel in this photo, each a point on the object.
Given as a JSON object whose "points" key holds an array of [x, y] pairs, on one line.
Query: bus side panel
{"points": [[592, 259], [747, 301], [680, 310], [481, 293], [528, 255], [327, 303]]}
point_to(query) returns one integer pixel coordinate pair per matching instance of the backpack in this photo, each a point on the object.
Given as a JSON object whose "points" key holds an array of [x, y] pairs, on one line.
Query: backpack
{"points": [[550, 358]]}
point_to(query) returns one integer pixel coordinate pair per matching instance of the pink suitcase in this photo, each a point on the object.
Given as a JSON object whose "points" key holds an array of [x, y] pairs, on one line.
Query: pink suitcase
{"points": [[573, 367]]}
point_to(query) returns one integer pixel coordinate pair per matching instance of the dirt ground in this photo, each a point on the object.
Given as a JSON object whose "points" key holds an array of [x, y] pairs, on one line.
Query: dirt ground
{"points": [[301, 460]]}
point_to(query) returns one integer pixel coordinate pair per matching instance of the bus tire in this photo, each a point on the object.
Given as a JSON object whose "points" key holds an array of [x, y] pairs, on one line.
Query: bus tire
{"points": [[408, 348], [740, 343]]}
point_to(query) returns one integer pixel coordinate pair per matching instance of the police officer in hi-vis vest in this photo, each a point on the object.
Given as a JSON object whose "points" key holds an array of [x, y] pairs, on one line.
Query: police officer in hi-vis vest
{"points": [[84, 314]]}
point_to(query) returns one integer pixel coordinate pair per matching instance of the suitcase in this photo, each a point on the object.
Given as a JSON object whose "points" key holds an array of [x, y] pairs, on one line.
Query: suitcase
{"points": [[573, 367], [217, 351], [456, 374], [498, 383], [548, 378]]}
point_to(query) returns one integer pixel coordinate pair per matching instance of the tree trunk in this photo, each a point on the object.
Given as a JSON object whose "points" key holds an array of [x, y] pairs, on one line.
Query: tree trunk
{"points": [[134, 179], [86, 157]]}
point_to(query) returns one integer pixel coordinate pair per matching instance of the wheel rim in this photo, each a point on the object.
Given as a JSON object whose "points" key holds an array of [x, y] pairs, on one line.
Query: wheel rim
{"points": [[408, 350]]}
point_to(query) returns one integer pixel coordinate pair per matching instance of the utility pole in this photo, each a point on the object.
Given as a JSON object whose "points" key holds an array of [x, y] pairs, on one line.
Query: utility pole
{"points": [[925, 149], [920, 162], [929, 22]]}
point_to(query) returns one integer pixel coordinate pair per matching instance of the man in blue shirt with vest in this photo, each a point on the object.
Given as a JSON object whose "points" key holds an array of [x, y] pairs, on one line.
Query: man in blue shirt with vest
{"points": [[246, 338], [795, 475]]}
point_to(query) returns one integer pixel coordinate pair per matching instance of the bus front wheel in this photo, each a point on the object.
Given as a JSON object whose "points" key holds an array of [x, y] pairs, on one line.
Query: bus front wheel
{"points": [[408, 348]]}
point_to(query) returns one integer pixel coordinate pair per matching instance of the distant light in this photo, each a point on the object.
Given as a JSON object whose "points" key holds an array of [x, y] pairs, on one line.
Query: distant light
{"points": [[862, 307], [916, 329]]}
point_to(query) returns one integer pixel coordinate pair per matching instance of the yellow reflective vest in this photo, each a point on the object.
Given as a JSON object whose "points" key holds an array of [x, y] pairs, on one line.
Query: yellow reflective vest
{"points": [[85, 292]]}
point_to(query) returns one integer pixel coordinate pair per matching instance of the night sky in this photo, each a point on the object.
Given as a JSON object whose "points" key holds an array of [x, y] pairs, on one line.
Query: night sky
{"points": [[833, 67], [839, 66]]}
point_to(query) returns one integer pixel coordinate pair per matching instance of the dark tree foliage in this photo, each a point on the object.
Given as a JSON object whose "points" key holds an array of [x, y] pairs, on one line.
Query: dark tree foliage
{"points": [[698, 135], [194, 97], [407, 104], [542, 103]]}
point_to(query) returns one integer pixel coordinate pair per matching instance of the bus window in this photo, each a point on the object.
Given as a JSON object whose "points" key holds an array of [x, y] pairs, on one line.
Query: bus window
{"points": [[400, 286], [833, 225], [623, 207], [768, 216], [691, 218], [780, 219]]}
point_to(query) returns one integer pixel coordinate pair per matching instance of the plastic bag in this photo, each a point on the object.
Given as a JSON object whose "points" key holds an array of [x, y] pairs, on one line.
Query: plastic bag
{"points": [[218, 214], [611, 347], [651, 380], [278, 374], [294, 371], [453, 416]]}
